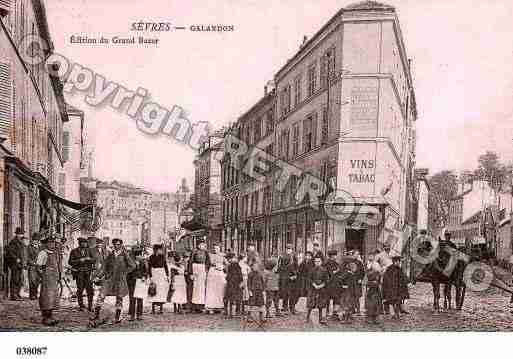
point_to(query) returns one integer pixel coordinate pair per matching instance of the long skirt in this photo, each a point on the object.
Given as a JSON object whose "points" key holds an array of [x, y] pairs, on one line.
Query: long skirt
{"points": [[141, 289], [216, 284], [199, 286], [180, 293], [158, 275]]}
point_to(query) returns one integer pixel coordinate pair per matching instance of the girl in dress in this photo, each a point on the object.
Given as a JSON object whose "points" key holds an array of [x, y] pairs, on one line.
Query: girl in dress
{"points": [[179, 297], [159, 275], [245, 268]]}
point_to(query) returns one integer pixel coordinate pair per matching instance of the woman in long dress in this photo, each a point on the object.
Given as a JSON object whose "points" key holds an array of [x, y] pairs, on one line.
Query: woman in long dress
{"points": [[159, 275], [179, 297], [216, 282]]}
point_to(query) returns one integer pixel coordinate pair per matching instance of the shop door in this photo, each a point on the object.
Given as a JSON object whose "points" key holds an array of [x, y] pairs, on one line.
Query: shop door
{"points": [[355, 239]]}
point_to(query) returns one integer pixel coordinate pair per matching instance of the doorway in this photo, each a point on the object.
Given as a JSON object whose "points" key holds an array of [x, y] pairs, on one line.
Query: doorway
{"points": [[355, 240]]}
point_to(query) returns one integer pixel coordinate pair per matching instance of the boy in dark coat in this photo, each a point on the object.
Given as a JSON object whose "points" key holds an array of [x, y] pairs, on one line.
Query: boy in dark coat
{"points": [[82, 262], [317, 297], [348, 291], [395, 286], [139, 273], [304, 274], [256, 289], [234, 284], [333, 289], [373, 302], [272, 286]]}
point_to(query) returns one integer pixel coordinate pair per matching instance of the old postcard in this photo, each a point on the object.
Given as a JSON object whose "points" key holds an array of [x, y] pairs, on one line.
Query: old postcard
{"points": [[244, 166]]}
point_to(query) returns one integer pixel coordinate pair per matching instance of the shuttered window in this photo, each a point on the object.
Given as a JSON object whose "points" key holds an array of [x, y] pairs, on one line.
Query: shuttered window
{"points": [[6, 99]]}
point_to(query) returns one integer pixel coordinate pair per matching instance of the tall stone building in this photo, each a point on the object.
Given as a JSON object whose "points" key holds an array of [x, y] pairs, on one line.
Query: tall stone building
{"points": [[345, 112]]}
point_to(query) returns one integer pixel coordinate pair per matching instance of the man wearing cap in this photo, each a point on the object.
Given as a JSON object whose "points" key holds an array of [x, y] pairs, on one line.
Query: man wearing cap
{"points": [[115, 269], [395, 286], [33, 275], [287, 271], [48, 263], [15, 260], [82, 261], [199, 265]]}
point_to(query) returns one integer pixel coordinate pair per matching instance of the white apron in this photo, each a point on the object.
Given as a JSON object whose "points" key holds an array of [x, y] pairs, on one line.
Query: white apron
{"points": [[216, 283], [141, 289], [180, 294], [200, 277], [158, 275]]}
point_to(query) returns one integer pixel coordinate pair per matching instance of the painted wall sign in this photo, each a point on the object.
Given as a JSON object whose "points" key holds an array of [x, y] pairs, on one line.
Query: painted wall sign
{"points": [[362, 171], [364, 105]]}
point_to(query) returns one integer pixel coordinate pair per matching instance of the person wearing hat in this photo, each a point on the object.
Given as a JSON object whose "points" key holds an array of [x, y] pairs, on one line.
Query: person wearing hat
{"points": [[304, 274], [234, 284], [15, 261], [114, 271], [384, 259], [288, 272], [136, 281], [317, 298], [332, 287], [48, 264], [33, 275], [317, 251], [395, 286], [199, 265], [81, 260]]}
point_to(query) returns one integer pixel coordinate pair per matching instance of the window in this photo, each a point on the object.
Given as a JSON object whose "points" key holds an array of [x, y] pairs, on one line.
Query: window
{"points": [[285, 137], [307, 134], [311, 79], [22, 210], [6, 99], [65, 145], [270, 149], [258, 129], [325, 125], [327, 66], [297, 90], [295, 140], [62, 184], [285, 100], [269, 128]]}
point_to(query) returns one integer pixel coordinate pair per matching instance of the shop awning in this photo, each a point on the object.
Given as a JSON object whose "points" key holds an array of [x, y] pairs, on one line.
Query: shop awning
{"points": [[65, 202]]}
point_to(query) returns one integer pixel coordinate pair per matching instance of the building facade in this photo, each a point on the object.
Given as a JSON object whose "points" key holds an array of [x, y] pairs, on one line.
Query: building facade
{"points": [[207, 224], [345, 112]]}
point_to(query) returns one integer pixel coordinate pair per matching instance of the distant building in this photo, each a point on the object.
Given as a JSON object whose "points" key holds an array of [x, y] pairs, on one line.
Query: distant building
{"points": [[422, 193]]}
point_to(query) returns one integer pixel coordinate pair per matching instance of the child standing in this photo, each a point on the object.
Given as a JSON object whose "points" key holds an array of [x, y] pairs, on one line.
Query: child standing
{"points": [[395, 286], [373, 303], [272, 287], [348, 286], [234, 284], [317, 297], [179, 297], [256, 289]]}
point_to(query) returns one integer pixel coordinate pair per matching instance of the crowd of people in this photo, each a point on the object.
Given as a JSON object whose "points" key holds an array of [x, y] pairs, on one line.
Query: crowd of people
{"points": [[199, 281]]}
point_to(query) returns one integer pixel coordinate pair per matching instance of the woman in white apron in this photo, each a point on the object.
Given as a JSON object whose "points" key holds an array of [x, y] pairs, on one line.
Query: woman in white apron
{"points": [[198, 265], [179, 296], [216, 282], [159, 275]]}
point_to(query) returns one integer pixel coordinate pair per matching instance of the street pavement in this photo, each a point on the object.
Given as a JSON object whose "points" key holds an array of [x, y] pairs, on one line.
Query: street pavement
{"points": [[483, 311]]}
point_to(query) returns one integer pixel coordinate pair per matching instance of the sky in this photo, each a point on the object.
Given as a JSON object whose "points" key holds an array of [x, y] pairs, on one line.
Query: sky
{"points": [[461, 50]]}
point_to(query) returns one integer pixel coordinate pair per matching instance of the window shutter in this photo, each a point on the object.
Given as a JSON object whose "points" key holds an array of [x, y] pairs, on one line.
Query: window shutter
{"points": [[6, 99], [314, 131], [5, 7]]}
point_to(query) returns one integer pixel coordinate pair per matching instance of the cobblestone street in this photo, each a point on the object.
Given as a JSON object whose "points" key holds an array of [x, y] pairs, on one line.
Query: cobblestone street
{"points": [[486, 311]]}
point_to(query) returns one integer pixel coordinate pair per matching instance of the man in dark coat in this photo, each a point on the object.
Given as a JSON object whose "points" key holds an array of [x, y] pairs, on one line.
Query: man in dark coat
{"points": [[304, 274], [15, 257], [188, 279], [115, 269], [395, 286], [33, 275], [82, 262]]}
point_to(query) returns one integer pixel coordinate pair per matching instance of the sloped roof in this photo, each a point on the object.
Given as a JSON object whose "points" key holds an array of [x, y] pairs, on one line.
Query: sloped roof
{"points": [[369, 5]]}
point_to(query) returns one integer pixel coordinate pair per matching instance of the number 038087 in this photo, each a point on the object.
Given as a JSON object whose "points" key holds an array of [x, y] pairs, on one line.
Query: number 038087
{"points": [[31, 351]]}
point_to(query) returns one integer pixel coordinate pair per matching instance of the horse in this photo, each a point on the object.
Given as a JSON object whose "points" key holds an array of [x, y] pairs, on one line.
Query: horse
{"points": [[445, 269]]}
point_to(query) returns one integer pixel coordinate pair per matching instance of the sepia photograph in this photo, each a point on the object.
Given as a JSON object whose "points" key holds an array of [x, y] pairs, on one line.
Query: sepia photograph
{"points": [[255, 166]]}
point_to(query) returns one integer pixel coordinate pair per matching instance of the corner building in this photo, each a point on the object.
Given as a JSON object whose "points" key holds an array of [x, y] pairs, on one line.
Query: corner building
{"points": [[345, 112]]}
